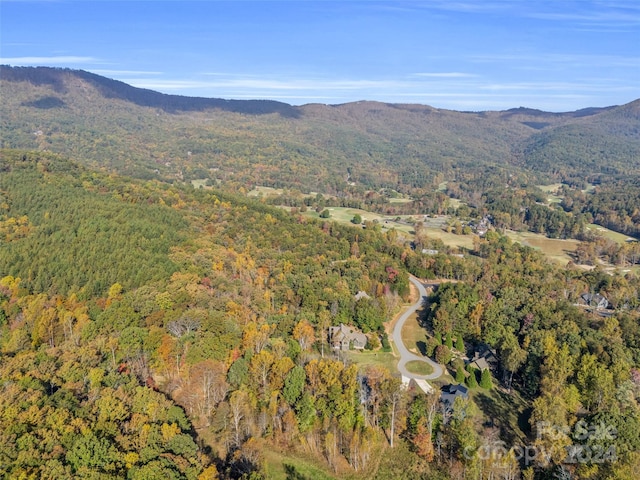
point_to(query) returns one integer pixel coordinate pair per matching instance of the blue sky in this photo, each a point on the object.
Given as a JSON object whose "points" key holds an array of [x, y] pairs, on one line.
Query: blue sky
{"points": [[555, 55]]}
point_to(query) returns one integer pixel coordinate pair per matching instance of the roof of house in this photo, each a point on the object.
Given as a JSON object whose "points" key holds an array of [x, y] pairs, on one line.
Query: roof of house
{"points": [[485, 353], [461, 389], [451, 392], [594, 298], [480, 364], [345, 332]]}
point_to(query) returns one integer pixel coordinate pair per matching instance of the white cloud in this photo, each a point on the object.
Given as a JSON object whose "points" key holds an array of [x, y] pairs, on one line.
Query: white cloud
{"points": [[55, 60], [445, 75], [526, 61], [265, 83], [124, 72]]}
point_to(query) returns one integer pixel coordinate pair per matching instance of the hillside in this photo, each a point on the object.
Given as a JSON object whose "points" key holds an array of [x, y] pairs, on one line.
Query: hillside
{"points": [[109, 124], [154, 331]]}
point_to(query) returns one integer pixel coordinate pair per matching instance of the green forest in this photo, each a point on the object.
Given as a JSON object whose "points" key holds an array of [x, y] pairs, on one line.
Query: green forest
{"points": [[149, 331]]}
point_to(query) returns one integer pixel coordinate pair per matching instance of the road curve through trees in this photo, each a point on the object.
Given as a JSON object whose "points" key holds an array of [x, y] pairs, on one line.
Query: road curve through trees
{"points": [[405, 354]]}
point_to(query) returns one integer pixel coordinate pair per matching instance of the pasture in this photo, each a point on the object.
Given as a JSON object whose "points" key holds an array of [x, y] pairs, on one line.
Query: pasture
{"points": [[555, 249]]}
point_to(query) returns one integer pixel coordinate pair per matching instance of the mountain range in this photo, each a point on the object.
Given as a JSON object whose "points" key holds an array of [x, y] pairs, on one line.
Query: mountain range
{"points": [[108, 124]]}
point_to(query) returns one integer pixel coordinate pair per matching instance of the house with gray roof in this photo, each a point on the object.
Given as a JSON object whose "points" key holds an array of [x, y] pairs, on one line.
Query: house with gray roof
{"points": [[345, 337], [594, 300]]}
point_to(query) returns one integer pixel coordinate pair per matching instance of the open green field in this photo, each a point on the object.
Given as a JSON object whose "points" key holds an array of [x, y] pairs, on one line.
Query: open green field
{"points": [[557, 250], [367, 358], [344, 215], [264, 191], [400, 200], [451, 239], [200, 183], [413, 335], [552, 192], [419, 368], [553, 188], [610, 234], [455, 203], [554, 248]]}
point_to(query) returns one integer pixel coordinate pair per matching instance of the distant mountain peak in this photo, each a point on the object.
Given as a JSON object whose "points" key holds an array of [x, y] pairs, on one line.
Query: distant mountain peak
{"points": [[110, 88]]}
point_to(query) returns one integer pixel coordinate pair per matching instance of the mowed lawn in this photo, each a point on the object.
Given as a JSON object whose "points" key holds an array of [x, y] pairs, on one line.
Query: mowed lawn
{"points": [[414, 336], [555, 249], [419, 368], [344, 215], [366, 358], [610, 234], [451, 239]]}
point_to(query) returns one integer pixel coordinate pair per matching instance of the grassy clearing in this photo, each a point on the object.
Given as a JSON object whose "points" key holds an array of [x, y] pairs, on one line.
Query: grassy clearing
{"points": [[555, 249], [413, 335], [552, 192], [610, 234], [400, 200], [553, 188], [507, 411], [200, 183], [451, 239], [419, 368], [264, 191], [455, 203], [433, 225], [280, 466], [365, 359], [344, 215]]}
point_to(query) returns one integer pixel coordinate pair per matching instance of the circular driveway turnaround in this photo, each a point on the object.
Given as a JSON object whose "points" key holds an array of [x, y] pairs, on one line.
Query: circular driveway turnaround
{"points": [[405, 354]]}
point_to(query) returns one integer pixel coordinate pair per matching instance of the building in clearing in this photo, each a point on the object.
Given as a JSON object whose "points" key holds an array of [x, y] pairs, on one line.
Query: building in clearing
{"points": [[451, 392], [345, 337], [594, 300]]}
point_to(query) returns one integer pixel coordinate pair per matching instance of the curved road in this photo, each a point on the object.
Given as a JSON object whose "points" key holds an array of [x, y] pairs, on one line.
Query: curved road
{"points": [[405, 354]]}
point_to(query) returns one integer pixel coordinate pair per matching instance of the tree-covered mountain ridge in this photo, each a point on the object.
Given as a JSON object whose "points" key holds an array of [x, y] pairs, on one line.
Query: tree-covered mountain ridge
{"points": [[372, 145]]}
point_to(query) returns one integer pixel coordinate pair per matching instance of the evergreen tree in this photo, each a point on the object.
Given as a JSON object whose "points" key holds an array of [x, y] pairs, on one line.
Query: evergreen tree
{"points": [[485, 379], [472, 381], [460, 344], [448, 341]]}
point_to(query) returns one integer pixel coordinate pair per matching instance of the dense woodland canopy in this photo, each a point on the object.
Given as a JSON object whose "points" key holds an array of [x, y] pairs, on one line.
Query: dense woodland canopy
{"points": [[150, 329], [201, 352]]}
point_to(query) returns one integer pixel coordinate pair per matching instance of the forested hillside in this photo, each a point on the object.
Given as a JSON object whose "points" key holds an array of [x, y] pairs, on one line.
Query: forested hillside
{"points": [[203, 285], [198, 349], [405, 147]]}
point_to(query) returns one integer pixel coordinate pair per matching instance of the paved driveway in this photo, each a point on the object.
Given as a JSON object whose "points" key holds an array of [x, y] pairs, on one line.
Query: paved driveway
{"points": [[405, 354]]}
